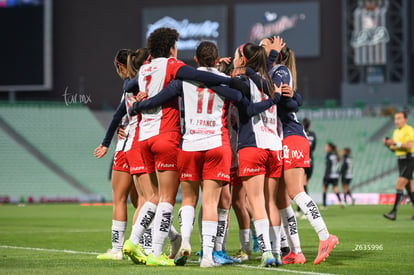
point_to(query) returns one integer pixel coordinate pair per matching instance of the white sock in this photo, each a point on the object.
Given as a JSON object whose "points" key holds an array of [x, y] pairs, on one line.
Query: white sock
{"points": [[146, 240], [290, 227], [186, 218], [225, 238], [275, 239], [244, 237], [262, 233], [173, 233], [118, 233], [162, 223], [310, 209], [221, 228], [283, 237], [209, 238], [145, 217]]}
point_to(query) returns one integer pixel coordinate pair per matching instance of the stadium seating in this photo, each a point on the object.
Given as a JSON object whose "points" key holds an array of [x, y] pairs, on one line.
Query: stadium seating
{"points": [[66, 135]]}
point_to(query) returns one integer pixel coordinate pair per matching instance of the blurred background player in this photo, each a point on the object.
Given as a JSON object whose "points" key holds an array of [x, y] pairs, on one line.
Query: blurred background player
{"points": [[331, 176], [346, 174], [121, 178], [402, 144]]}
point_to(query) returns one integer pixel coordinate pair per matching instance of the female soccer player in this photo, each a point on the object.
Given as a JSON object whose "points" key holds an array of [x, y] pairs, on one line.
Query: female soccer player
{"points": [[121, 178], [259, 146], [331, 176], [346, 173], [296, 157]]}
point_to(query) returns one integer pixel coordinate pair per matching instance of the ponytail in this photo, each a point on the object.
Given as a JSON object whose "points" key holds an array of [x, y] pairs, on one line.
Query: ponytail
{"points": [[287, 57], [135, 60]]}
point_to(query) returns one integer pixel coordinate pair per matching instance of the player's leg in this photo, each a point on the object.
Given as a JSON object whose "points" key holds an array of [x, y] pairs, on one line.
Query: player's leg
{"points": [[296, 192], [399, 194]]}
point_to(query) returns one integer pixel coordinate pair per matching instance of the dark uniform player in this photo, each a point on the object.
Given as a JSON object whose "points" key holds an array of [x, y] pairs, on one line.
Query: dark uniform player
{"points": [[331, 171], [346, 173], [312, 144]]}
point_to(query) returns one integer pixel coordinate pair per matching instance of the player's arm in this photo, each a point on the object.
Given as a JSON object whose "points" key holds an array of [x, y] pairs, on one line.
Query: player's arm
{"points": [[131, 85], [171, 91], [258, 80], [243, 103], [312, 148], [102, 149], [189, 73]]}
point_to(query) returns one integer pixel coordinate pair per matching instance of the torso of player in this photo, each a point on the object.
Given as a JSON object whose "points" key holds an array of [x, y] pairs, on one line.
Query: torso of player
{"points": [[205, 117], [403, 135], [153, 77], [264, 124], [333, 159]]}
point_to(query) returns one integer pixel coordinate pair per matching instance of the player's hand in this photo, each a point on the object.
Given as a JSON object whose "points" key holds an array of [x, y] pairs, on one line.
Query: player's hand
{"points": [[277, 44], [100, 151], [141, 96], [226, 60], [287, 90], [121, 133], [388, 142]]}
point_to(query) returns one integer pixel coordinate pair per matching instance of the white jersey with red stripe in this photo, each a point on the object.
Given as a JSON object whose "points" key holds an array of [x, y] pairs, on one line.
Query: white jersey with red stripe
{"points": [[205, 116], [132, 129], [264, 125], [153, 77]]}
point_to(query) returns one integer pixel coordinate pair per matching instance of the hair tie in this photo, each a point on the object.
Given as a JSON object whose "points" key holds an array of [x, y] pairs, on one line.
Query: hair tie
{"points": [[119, 63]]}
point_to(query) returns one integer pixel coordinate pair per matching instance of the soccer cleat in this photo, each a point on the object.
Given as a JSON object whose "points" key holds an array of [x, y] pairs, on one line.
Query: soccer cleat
{"points": [[391, 216], [243, 255], [184, 253], [220, 259], [325, 247], [267, 259], [293, 258], [110, 255], [175, 247], [256, 247], [223, 254], [161, 260], [285, 251], [206, 263], [278, 259], [134, 252]]}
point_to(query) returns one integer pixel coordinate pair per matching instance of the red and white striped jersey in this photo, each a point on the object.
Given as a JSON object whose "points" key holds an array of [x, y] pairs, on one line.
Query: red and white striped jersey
{"points": [[264, 125], [153, 77], [132, 128], [205, 116]]}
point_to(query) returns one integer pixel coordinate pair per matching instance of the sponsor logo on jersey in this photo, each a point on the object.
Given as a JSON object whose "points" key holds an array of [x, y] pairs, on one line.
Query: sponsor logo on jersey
{"points": [[166, 165], [222, 175]]}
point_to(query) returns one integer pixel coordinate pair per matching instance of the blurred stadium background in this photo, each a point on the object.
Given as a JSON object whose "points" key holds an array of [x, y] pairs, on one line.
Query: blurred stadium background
{"points": [[58, 86]]}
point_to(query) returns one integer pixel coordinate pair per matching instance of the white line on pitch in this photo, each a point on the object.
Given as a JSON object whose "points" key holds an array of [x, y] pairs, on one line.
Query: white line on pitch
{"points": [[49, 250]]}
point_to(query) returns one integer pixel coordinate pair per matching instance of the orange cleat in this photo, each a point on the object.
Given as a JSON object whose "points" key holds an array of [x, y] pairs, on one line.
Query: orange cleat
{"points": [[293, 258], [325, 247]]}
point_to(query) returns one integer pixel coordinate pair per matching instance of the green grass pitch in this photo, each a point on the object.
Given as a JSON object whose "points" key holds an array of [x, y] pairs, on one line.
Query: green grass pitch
{"points": [[65, 239]]}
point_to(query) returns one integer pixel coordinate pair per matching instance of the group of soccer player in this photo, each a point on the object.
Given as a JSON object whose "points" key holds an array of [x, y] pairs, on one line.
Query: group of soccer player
{"points": [[204, 128]]}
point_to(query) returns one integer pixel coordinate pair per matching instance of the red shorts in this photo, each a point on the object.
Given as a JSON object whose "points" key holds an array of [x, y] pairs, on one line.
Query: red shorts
{"points": [[234, 177], [295, 152], [120, 162], [160, 152], [135, 161], [212, 164], [255, 161]]}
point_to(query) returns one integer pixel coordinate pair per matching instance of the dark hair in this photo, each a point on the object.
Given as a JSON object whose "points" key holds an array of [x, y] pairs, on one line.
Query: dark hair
{"points": [[136, 59], [347, 151], [256, 58], [306, 123], [334, 149], [207, 54], [121, 57], [402, 112], [161, 41], [225, 68]]}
